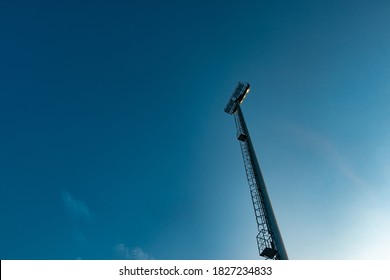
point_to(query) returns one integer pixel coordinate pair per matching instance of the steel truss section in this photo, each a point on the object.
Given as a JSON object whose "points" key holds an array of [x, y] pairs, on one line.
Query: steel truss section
{"points": [[266, 225]]}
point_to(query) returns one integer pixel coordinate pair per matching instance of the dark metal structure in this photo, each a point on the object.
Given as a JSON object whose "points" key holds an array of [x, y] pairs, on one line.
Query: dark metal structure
{"points": [[269, 239]]}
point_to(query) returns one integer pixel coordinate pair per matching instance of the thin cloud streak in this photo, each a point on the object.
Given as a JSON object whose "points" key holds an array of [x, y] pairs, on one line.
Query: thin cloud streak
{"points": [[325, 147], [135, 253], [76, 209]]}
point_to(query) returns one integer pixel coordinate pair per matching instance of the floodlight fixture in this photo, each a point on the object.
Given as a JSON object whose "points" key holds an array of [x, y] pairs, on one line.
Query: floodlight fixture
{"points": [[237, 97]]}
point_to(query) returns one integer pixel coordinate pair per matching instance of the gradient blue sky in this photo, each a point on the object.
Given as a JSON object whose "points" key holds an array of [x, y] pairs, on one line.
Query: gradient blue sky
{"points": [[114, 143]]}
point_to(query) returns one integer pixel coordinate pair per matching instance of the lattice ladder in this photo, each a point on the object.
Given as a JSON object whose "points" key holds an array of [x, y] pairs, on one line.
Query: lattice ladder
{"points": [[264, 237]]}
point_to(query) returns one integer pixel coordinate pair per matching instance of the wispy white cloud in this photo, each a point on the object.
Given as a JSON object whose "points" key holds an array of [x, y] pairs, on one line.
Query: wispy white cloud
{"points": [[324, 146], [135, 253], [77, 209], [139, 254]]}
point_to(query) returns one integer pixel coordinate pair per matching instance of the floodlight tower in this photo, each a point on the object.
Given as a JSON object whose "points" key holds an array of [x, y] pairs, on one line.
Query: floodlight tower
{"points": [[269, 239]]}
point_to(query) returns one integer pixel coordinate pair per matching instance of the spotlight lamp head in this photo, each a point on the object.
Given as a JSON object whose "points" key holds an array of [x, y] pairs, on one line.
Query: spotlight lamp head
{"points": [[237, 97]]}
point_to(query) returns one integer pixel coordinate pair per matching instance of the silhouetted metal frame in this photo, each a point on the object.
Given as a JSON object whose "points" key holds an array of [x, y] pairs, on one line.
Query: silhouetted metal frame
{"points": [[269, 238]]}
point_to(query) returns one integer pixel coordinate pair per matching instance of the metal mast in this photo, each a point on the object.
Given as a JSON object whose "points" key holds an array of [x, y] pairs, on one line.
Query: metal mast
{"points": [[269, 239]]}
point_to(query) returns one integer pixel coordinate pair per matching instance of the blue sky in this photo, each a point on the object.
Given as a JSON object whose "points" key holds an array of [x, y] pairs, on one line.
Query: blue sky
{"points": [[114, 143]]}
